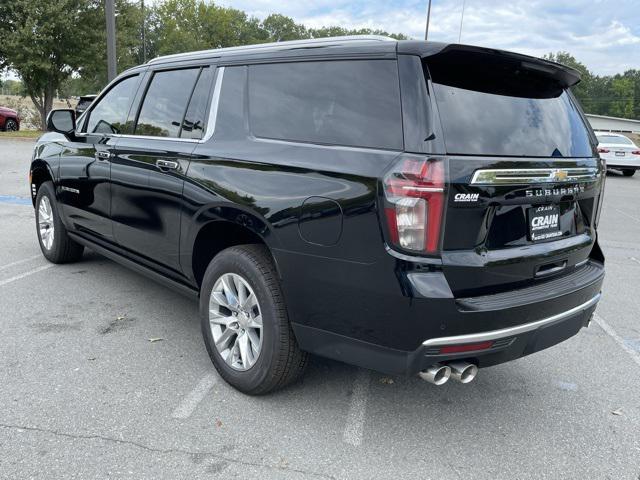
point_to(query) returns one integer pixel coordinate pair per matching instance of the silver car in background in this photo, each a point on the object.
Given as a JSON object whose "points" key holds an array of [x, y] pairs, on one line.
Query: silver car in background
{"points": [[619, 152]]}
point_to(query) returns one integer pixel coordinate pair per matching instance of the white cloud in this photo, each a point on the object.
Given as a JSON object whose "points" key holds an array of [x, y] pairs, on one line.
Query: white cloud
{"points": [[603, 34]]}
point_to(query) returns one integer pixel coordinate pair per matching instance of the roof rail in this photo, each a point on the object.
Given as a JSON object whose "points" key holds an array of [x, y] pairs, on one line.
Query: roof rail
{"points": [[276, 45]]}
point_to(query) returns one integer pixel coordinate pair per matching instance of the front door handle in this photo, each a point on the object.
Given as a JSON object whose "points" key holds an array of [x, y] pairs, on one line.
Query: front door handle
{"points": [[103, 155], [166, 164]]}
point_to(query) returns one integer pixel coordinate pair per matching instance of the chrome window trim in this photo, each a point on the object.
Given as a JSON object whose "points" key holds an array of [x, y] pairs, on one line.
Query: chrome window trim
{"points": [[347, 148], [213, 109], [211, 122], [511, 331], [527, 176]]}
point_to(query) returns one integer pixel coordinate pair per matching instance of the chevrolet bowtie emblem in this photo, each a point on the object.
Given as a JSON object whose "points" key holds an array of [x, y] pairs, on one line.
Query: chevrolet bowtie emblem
{"points": [[560, 175]]}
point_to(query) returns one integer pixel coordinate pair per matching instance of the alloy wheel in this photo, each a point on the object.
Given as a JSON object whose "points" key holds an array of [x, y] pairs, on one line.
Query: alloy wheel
{"points": [[46, 228], [11, 126], [235, 319]]}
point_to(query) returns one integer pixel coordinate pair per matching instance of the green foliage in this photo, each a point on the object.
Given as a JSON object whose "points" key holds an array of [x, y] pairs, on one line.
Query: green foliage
{"points": [[616, 96], [12, 87], [44, 43]]}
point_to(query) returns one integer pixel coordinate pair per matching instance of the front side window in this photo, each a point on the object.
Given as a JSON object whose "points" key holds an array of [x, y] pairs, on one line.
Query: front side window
{"points": [[352, 103], [165, 103], [109, 116]]}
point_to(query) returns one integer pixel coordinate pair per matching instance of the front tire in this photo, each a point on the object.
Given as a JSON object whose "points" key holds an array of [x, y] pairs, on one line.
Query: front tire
{"points": [[54, 240], [628, 172], [245, 324]]}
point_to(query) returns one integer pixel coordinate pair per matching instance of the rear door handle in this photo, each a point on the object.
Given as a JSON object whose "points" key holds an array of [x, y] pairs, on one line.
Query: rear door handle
{"points": [[103, 155], [166, 164]]}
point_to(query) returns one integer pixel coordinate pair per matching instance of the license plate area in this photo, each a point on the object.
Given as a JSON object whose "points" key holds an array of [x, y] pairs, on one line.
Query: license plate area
{"points": [[619, 154], [544, 222]]}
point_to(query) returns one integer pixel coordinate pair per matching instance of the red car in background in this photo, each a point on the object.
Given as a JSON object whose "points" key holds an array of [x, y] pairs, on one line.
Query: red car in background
{"points": [[9, 120]]}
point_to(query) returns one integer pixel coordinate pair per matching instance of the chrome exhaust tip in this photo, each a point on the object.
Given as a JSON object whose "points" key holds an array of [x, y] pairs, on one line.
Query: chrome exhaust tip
{"points": [[437, 374], [463, 372]]}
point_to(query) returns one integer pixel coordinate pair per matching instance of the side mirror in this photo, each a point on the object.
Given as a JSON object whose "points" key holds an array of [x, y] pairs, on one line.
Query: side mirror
{"points": [[62, 121]]}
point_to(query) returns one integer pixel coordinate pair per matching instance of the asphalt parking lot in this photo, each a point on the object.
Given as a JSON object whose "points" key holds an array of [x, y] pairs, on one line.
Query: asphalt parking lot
{"points": [[103, 374]]}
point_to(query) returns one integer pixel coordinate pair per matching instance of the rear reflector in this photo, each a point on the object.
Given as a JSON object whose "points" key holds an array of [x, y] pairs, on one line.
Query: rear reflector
{"points": [[466, 347]]}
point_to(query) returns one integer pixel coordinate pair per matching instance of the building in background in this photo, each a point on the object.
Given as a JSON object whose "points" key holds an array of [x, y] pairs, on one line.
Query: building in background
{"points": [[614, 124]]}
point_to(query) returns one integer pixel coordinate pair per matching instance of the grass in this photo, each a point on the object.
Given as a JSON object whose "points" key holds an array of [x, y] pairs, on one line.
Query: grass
{"points": [[22, 134]]}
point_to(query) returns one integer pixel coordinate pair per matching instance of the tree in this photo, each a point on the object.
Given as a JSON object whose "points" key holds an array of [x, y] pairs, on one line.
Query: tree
{"points": [[617, 95], [45, 43], [281, 28], [340, 31], [583, 90], [187, 25], [91, 75], [622, 97]]}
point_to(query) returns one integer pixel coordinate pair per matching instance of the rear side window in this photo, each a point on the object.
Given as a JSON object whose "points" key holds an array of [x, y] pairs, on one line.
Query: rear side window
{"points": [[165, 103], [109, 116], [488, 108], [352, 103]]}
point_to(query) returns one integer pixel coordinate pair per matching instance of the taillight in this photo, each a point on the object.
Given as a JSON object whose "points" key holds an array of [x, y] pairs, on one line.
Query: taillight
{"points": [[414, 191], [636, 152], [603, 150]]}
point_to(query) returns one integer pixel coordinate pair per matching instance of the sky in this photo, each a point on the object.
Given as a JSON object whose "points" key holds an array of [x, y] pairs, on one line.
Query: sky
{"points": [[602, 34]]}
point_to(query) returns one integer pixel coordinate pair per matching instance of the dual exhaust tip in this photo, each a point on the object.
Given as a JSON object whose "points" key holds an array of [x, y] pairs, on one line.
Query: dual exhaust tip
{"points": [[439, 374]]}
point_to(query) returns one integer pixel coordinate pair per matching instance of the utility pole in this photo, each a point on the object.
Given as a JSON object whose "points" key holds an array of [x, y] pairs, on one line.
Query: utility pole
{"points": [[144, 43], [461, 19], [111, 39], [426, 31]]}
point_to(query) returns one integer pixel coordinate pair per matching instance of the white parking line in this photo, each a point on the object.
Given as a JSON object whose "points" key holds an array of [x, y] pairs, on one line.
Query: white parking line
{"points": [[189, 403], [26, 274], [635, 259], [20, 262], [635, 356], [355, 421], [627, 215]]}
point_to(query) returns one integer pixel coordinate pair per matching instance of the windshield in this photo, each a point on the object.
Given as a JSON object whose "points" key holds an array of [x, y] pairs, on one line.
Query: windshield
{"points": [[614, 139]]}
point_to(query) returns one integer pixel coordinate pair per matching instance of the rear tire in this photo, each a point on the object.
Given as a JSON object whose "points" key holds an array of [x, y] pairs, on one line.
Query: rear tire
{"points": [[275, 360], [627, 172], [55, 243], [11, 125]]}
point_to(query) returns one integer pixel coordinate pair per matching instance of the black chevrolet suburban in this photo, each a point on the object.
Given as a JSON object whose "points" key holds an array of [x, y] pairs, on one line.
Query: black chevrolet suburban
{"points": [[404, 206]]}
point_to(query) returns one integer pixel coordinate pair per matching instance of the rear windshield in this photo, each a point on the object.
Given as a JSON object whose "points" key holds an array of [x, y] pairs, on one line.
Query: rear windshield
{"points": [[614, 139], [506, 112]]}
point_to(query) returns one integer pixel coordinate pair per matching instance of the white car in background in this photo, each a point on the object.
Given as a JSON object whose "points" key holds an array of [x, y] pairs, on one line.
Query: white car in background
{"points": [[619, 152]]}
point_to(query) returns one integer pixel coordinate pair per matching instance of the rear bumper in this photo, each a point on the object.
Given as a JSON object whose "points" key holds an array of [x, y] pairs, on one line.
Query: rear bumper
{"points": [[517, 323], [509, 344], [512, 342], [624, 167], [629, 161]]}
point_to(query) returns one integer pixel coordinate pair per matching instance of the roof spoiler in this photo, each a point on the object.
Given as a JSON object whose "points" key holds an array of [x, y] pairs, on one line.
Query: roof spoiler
{"points": [[560, 74]]}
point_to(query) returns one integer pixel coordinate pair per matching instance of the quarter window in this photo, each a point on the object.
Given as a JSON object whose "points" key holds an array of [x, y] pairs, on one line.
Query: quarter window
{"points": [[109, 116], [165, 103], [195, 119], [353, 103]]}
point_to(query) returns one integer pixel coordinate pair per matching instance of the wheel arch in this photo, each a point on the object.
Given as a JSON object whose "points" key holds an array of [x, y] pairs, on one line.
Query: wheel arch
{"points": [[222, 227], [39, 173]]}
